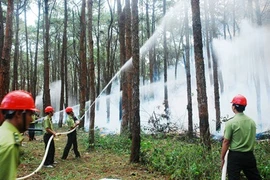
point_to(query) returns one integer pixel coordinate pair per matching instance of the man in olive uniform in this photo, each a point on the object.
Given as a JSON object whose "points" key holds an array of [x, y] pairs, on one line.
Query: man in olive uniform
{"points": [[48, 132], [32, 125], [72, 137], [17, 108], [239, 139]]}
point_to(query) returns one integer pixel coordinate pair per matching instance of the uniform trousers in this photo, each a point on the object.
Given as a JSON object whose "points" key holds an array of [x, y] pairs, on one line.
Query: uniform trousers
{"points": [[31, 132], [51, 152], [72, 140], [242, 161]]}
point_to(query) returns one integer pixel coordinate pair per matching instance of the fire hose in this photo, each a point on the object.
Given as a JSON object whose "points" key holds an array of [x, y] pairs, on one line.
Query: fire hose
{"points": [[224, 168], [45, 155]]}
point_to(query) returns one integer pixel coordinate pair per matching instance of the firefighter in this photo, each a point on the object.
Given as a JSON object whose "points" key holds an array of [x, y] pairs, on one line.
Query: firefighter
{"points": [[239, 139], [72, 137], [48, 132], [32, 127], [17, 108]]}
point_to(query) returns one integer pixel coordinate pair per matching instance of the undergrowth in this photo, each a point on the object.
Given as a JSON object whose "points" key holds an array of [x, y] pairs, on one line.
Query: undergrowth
{"points": [[162, 157], [181, 159]]}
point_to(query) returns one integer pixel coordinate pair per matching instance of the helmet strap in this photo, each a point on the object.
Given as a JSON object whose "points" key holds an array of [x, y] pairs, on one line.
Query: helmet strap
{"points": [[24, 120]]}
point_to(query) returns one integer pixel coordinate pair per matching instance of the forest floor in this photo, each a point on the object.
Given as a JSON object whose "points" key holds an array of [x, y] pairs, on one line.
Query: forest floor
{"points": [[94, 165]]}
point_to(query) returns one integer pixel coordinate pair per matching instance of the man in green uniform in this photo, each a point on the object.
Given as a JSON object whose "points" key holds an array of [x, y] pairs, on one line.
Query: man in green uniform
{"points": [[31, 131], [17, 108], [48, 132], [72, 137], [239, 139]]}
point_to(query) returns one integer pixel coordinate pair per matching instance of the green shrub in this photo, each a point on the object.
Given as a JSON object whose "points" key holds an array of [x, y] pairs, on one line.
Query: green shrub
{"points": [[181, 159]]}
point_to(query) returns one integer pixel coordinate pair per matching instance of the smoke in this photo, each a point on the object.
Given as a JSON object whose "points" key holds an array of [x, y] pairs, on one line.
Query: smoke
{"points": [[244, 63]]}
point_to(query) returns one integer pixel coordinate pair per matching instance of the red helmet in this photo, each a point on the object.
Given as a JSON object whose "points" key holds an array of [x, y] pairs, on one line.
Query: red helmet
{"points": [[69, 109], [49, 109], [240, 100], [18, 100]]}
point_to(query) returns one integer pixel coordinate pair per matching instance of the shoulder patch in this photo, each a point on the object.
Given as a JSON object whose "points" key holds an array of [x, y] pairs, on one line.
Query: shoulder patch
{"points": [[17, 139]]}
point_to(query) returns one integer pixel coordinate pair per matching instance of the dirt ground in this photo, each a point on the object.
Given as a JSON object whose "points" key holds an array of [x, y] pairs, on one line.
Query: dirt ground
{"points": [[99, 164]]}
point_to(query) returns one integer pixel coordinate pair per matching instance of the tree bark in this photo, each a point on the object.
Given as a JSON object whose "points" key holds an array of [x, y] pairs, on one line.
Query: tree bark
{"points": [[200, 74], [29, 73], [92, 76], [215, 68], [98, 54], [83, 65], [34, 89], [2, 37], [63, 64], [46, 91], [188, 75], [127, 85], [16, 51], [76, 62], [5, 58], [207, 40], [136, 137], [166, 103], [121, 26], [109, 62]]}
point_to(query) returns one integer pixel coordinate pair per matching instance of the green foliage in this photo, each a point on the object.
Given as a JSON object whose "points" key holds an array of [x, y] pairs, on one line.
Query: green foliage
{"points": [[113, 142], [262, 153], [179, 158]]}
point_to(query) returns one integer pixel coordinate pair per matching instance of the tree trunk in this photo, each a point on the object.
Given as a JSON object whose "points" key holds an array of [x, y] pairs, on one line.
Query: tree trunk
{"points": [[109, 63], [63, 65], [98, 54], [15, 79], [200, 74], [129, 54], [215, 67], [166, 103], [92, 76], [83, 65], [136, 137], [206, 9], [121, 26], [153, 50], [224, 21], [34, 89], [76, 61], [28, 72], [188, 76], [127, 94], [2, 37], [258, 12], [65, 78], [148, 32], [46, 91], [5, 58], [257, 84]]}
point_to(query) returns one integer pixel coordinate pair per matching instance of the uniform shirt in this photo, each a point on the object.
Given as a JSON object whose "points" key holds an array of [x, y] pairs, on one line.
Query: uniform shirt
{"points": [[241, 131], [34, 117], [70, 122], [10, 142], [47, 123]]}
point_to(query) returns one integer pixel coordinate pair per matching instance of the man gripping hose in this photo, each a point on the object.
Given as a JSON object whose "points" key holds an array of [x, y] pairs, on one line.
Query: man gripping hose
{"points": [[17, 108], [239, 139]]}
